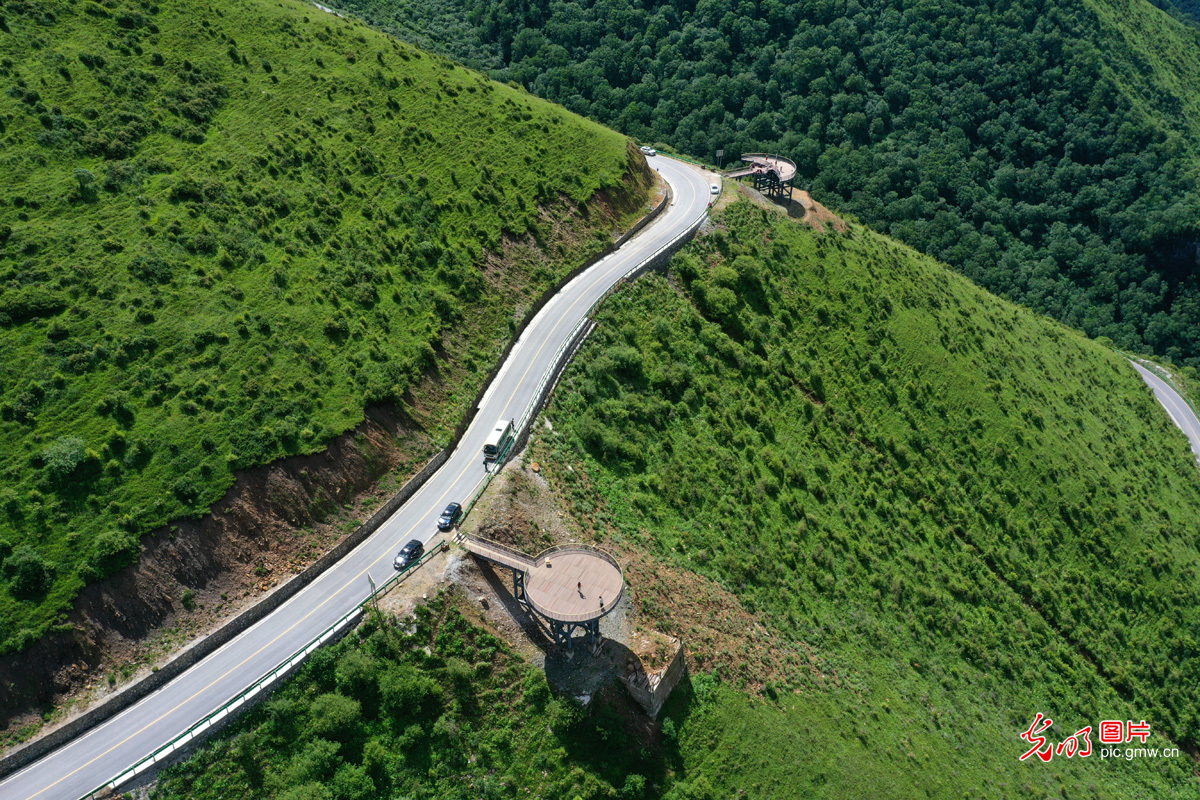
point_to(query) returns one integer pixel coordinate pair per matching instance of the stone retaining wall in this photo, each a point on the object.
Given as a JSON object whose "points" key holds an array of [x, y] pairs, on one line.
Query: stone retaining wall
{"points": [[651, 691]]}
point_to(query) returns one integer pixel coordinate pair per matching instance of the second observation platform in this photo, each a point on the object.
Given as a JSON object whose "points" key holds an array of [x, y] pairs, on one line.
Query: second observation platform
{"points": [[773, 174]]}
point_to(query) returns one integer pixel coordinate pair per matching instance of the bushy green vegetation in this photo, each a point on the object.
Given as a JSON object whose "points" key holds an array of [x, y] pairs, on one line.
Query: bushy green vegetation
{"points": [[225, 229], [1047, 150], [1188, 10], [378, 716], [970, 512]]}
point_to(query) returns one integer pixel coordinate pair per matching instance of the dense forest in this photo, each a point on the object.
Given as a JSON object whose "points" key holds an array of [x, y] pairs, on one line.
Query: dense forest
{"points": [[1046, 150], [1187, 9]]}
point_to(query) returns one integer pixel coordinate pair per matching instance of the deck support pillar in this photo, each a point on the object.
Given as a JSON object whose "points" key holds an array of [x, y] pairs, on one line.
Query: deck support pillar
{"points": [[519, 587], [564, 632], [770, 185]]}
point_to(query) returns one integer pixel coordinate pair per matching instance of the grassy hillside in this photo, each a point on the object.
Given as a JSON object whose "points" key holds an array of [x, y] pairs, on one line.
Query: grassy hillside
{"points": [[226, 228], [970, 513], [1049, 151], [1155, 59], [446, 711], [919, 490]]}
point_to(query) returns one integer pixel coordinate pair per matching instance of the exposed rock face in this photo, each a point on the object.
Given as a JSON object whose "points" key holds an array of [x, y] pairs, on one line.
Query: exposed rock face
{"points": [[266, 527]]}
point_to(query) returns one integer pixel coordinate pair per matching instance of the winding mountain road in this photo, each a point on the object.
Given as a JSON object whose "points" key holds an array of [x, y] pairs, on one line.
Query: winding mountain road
{"points": [[1177, 408], [105, 751]]}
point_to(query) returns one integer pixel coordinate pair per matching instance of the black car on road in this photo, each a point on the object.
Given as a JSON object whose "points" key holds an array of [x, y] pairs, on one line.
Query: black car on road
{"points": [[450, 517], [408, 554]]}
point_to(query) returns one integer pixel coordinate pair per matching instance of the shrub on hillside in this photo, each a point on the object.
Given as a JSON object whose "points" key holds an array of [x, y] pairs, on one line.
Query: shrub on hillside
{"points": [[29, 573], [112, 551], [150, 268], [334, 716], [29, 302], [62, 458], [407, 693], [86, 190]]}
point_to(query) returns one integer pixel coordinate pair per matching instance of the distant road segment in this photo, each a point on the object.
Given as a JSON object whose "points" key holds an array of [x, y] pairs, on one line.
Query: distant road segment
{"points": [[1177, 408], [105, 751]]}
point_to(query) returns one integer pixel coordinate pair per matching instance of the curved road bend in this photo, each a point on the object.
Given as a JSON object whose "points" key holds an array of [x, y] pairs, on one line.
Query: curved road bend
{"points": [[1177, 408], [105, 751]]}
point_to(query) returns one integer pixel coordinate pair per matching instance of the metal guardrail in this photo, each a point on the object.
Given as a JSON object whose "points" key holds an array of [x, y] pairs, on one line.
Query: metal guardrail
{"points": [[216, 717], [687, 160], [497, 462], [1165, 375], [265, 682], [617, 284], [570, 341], [769, 156], [577, 548]]}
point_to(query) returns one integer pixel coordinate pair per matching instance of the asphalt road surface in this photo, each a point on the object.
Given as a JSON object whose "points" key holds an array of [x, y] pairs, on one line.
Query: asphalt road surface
{"points": [[100, 754], [1178, 409]]}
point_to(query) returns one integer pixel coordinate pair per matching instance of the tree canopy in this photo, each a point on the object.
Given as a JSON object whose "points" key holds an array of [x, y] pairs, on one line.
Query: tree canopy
{"points": [[1046, 150]]}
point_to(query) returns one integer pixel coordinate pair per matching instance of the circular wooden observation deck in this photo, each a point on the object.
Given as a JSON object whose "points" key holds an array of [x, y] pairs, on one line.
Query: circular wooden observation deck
{"points": [[574, 583], [572, 586], [773, 174]]}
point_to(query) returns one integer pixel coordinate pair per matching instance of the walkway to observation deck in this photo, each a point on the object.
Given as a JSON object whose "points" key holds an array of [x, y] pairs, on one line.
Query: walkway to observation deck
{"points": [[572, 586]]}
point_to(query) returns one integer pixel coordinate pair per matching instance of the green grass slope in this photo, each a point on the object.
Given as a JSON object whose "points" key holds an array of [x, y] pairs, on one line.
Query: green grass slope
{"points": [[225, 229], [446, 711], [968, 513], [971, 513], [1155, 58]]}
